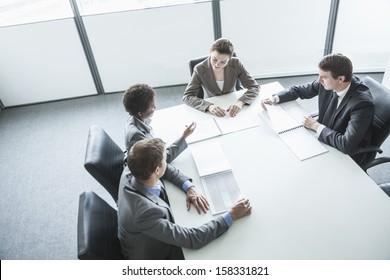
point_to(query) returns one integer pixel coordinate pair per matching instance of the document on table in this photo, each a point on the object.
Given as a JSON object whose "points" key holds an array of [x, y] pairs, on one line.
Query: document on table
{"points": [[216, 126], [205, 129], [245, 119], [293, 133], [216, 175]]}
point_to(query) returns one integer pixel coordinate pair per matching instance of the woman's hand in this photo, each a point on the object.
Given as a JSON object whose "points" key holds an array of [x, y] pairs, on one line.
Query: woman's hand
{"points": [[189, 130], [216, 110], [235, 108]]}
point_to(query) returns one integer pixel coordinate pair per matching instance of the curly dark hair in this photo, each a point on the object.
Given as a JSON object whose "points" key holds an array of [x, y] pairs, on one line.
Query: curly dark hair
{"points": [[138, 98]]}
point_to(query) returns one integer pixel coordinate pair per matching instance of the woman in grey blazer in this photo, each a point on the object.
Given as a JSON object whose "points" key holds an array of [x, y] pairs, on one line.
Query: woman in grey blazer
{"points": [[218, 75], [139, 102]]}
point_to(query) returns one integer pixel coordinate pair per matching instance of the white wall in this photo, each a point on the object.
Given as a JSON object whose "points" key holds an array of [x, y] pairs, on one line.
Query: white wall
{"points": [[386, 76], [279, 37], [363, 34], [151, 46], [41, 62], [45, 61]]}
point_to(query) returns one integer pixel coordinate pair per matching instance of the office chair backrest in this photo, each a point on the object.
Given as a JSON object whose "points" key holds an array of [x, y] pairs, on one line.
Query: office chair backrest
{"points": [[381, 123], [97, 229], [195, 61], [192, 64], [104, 160]]}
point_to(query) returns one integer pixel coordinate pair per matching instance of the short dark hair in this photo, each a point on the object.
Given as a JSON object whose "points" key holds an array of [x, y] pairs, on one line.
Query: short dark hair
{"points": [[145, 156], [338, 65], [223, 46], [138, 98]]}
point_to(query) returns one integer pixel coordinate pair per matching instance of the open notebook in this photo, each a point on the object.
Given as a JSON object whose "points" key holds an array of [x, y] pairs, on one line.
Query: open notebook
{"points": [[216, 175], [216, 126], [293, 133]]}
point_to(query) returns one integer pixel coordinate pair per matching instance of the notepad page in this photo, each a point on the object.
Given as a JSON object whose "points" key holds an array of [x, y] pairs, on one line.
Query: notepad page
{"points": [[221, 190], [209, 158], [245, 119], [280, 119], [302, 143], [205, 129]]}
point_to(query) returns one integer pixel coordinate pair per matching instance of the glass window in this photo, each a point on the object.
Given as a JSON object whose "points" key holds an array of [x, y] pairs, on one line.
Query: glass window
{"points": [[362, 33], [89, 7], [277, 38], [13, 12]]}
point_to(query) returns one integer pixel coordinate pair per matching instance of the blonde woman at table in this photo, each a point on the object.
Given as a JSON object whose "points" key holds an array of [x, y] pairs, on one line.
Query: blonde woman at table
{"points": [[218, 75], [139, 102]]}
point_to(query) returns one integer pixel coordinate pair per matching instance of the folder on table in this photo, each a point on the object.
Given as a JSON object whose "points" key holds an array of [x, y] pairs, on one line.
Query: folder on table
{"points": [[216, 175]]}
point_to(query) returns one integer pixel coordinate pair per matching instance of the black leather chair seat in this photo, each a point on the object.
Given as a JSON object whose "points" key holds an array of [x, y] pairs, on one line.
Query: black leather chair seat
{"points": [[97, 229]]}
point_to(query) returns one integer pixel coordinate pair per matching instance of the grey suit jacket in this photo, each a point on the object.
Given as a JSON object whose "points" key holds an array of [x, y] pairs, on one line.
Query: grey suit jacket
{"points": [[351, 126], [136, 130], [204, 76], [146, 227]]}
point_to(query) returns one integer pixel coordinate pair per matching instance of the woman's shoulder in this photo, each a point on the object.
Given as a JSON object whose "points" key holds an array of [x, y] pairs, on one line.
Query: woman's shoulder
{"points": [[235, 61]]}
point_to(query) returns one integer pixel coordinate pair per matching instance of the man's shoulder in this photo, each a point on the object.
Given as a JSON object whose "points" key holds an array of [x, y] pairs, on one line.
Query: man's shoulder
{"points": [[363, 93]]}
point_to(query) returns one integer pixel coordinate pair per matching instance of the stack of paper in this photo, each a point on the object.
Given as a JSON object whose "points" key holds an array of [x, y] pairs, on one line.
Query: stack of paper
{"points": [[216, 175]]}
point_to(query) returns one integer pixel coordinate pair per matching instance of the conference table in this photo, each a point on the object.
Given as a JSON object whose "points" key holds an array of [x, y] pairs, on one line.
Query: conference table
{"points": [[321, 208]]}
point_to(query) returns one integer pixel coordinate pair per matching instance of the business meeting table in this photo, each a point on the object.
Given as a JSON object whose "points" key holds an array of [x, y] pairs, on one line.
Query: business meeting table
{"points": [[321, 208]]}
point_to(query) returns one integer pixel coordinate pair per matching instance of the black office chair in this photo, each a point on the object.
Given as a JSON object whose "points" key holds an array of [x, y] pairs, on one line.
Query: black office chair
{"points": [[104, 160], [97, 229], [385, 186], [380, 127], [381, 123], [195, 61]]}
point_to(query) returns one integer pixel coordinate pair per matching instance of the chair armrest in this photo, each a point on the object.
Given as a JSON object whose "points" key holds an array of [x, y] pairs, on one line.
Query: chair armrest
{"points": [[375, 162], [367, 149]]}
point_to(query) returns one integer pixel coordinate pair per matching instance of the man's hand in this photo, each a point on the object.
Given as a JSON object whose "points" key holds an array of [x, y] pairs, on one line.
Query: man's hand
{"points": [[235, 108], [199, 201], [241, 209], [189, 129], [269, 100], [310, 123], [216, 110]]}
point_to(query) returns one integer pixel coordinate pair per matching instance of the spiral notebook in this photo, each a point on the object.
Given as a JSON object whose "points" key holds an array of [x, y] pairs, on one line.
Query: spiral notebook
{"points": [[216, 176], [294, 134]]}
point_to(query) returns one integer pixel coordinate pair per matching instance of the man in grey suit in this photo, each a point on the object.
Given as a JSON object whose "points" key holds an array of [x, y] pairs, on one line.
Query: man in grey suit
{"points": [[346, 106], [146, 227]]}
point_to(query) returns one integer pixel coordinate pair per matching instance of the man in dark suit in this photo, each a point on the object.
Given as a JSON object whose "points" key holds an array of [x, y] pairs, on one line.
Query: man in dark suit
{"points": [[346, 107], [146, 227]]}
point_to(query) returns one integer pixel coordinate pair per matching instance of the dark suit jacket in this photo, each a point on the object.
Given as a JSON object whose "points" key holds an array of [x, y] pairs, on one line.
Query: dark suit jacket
{"points": [[204, 76], [352, 124], [146, 228]]}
